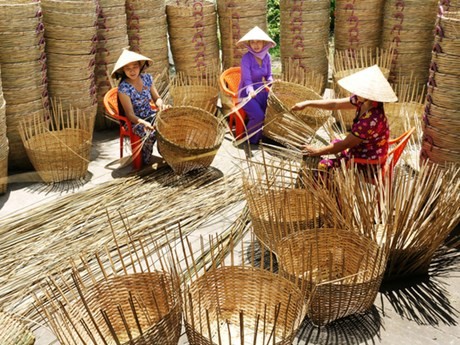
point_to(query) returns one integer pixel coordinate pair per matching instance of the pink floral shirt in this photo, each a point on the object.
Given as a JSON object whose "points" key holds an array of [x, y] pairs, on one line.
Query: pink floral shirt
{"points": [[372, 127]]}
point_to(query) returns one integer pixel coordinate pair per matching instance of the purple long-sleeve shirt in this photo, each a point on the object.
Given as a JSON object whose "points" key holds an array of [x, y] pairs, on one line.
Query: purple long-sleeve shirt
{"points": [[253, 75]]}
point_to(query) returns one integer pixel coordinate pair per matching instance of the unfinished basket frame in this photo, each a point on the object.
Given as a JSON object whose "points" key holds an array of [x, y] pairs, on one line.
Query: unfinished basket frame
{"points": [[14, 332], [188, 137]]}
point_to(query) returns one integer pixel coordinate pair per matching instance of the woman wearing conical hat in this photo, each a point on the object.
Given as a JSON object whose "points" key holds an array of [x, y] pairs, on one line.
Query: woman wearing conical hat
{"points": [[135, 92], [255, 72], [370, 131]]}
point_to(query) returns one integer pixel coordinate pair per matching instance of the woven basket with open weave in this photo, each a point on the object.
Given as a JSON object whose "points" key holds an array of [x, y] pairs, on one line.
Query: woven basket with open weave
{"points": [[283, 95], [188, 137], [14, 332], [342, 270], [242, 305]]}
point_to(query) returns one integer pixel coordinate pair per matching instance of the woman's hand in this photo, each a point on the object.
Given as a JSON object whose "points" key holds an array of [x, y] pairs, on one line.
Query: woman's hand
{"points": [[311, 151], [146, 124], [160, 105], [300, 105], [252, 94]]}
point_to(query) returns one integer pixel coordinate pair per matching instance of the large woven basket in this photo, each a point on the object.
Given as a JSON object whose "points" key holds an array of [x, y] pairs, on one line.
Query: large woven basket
{"points": [[283, 95], [342, 270], [59, 149], [188, 137], [242, 305], [14, 332], [4, 150]]}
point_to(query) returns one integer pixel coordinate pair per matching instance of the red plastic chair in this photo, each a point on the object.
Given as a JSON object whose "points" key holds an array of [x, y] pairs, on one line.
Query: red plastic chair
{"points": [[111, 106], [229, 81], [388, 162]]}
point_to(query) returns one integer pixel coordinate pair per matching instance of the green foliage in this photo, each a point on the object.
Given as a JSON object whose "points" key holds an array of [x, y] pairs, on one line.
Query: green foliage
{"points": [[273, 18]]}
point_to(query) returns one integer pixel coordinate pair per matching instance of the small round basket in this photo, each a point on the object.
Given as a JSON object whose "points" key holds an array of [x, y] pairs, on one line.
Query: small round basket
{"points": [[283, 95], [14, 332], [188, 137], [340, 270], [242, 305]]}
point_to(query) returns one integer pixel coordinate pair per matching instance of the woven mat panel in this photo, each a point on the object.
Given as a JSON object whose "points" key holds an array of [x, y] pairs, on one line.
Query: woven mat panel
{"points": [[442, 109], [4, 150], [129, 295], [14, 332], [358, 24], [342, 271], [409, 24], [142, 16], [236, 18], [188, 137], [24, 80], [304, 34], [193, 36]]}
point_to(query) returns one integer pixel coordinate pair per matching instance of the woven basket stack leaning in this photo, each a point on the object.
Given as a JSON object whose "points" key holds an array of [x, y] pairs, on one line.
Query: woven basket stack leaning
{"points": [[239, 303], [14, 332], [192, 28], [340, 269], [236, 18], [304, 35], [283, 95], [59, 148], [442, 107], [71, 50], [199, 91], [409, 25], [24, 80], [188, 137], [112, 37], [125, 296], [147, 32], [4, 148], [358, 24]]}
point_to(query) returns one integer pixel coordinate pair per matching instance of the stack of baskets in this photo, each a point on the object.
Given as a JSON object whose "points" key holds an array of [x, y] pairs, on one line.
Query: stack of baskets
{"points": [[71, 50], [4, 149], [188, 137], [349, 62], [200, 91], [14, 332], [192, 28], [358, 24], [128, 295], [239, 303], [442, 110], [236, 18], [112, 37], [409, 24], [24, 83], [283, 95], [59, 147], [147, 32], [304, 35], [341, 271]]}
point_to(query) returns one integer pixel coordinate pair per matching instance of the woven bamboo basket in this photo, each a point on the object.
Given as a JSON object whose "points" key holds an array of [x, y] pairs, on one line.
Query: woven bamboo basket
{"points": [[341, 269], [241, 305], [150, 6], [442, 97], [283, 95], [70, 47], [22, 54], [14, 332], [123, 295], [2, 116], [445, 113], [22, 38], [441, 138], [438, 155], [188, 137], [4, 150], [58, 32], [74, 6], [75, 20], [445, 63], [59, 148]]}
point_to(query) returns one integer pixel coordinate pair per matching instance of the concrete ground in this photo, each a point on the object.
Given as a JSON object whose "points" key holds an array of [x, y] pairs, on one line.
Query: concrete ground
{"points": [[424, 310]]}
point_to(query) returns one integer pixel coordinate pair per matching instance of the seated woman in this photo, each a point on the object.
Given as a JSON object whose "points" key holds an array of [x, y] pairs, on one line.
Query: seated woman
{"points": [[256, 71], [135, 93], [370, 131]]}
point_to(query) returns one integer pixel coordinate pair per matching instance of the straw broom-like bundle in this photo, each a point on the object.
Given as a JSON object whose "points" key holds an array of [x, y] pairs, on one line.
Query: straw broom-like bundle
{"points": [[236, 302], [45, 236], [128, 294]]}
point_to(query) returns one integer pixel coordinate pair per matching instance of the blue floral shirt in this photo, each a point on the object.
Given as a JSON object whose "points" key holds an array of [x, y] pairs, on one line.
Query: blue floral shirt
{"points": [[140, 100]]}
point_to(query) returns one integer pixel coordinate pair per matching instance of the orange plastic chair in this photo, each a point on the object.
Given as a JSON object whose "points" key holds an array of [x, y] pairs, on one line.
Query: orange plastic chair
{"points": [[229, 81], [388, 162], [111, 106]]}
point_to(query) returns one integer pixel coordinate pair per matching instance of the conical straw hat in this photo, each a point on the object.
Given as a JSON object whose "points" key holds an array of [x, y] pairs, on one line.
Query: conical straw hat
{"points": [[369, 83], [127, 57], [255, 34]]}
